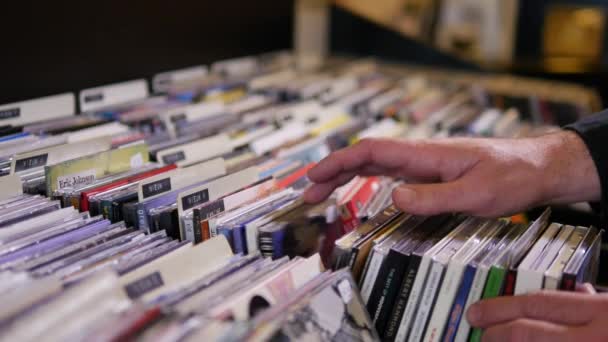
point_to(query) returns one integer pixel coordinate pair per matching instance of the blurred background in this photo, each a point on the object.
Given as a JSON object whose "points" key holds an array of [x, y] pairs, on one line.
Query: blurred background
{"points": [[56, 46], [553, 39]]}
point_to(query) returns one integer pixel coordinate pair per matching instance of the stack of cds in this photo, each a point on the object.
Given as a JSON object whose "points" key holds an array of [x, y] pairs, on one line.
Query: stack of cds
{"points": [[178, 214]]}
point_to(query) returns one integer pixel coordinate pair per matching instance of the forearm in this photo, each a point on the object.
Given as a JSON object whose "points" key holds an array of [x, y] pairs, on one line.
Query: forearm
{"points": [[571, 174]]}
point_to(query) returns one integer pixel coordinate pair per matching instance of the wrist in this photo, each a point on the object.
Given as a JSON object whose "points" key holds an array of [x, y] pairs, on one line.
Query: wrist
{"points": [[570, 174]]}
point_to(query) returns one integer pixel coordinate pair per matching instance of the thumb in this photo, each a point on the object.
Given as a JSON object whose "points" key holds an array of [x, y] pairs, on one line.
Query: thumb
{"points": [[432, 199]]}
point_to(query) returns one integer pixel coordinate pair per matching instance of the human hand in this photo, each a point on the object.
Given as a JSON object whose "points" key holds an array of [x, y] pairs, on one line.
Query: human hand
{"points": [[483, 177], [544, 316]]}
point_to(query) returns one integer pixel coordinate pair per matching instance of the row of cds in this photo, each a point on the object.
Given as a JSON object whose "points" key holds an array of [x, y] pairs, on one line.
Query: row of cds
{"points": [[179, 216], [418, 275]]}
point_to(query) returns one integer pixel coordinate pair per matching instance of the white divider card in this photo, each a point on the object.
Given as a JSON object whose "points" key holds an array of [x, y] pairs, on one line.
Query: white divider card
{"points": [[10, 186], [361, 95], [311, 151], [215, 189], [377, 103], [386, 128], [27, 296], [105, 130], [196, 151], [29, 143], [192, 113], [339, 88], [277, 78], [249, 103], [99, 97], [162, 82], [305, 112], [183, 266], [246, 139], [314, 89], [330, 119], [65, 308], [177, 179], [36, 110], [291, 132], [85, 170], [236, 67], [58, 154], [280, 59]]}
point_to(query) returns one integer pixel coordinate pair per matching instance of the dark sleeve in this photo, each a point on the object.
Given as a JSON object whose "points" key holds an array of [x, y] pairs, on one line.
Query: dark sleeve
{"points": [[594, 132]]}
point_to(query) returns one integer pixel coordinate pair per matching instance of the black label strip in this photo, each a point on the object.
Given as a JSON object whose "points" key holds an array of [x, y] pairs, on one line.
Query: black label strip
{"points": [[174, 157], [144, 285], [10, 113], [93, 98], [31, 162], [195, 199], [157, 187]]}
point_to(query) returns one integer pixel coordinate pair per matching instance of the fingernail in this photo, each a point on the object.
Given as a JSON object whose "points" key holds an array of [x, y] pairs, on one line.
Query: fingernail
{"points": [[473, 314], [405, 195]]}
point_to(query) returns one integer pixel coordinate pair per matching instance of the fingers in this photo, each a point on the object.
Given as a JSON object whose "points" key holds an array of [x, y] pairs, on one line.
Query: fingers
{"points": [[348, 159], [527, 330], [553, 306], [585, 288], [417, 160], [319, 192], [431, 199]]}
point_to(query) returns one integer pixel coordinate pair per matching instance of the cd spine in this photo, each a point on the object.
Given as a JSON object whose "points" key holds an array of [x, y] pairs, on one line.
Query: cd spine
{"points": [[239, 241], [428, 300], [510, 282], [194, 234], [155, 224], [142, 219], [204, 228], [403, 297], [265, 244], [458, 306], [373, 264], [414, 302], [278, 237], [228, 233], [568, 282], [493, 288], [386, 287], [464, 328], [130, 213]]}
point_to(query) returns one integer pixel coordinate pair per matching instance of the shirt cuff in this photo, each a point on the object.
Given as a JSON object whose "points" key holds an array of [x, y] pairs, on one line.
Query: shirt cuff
{"points": [[594, 134]]}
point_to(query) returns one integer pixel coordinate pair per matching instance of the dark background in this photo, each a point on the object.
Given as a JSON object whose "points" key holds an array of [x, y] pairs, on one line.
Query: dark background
{"points": [[357, 36], [530, 23], [49, 47]]}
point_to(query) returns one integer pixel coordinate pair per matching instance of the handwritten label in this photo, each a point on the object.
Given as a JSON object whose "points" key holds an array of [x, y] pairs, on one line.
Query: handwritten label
{"points": [[174, 157], [144, 285], [76, 179], [157, 187], [195, 199], [10, 113], [31, 162]]}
